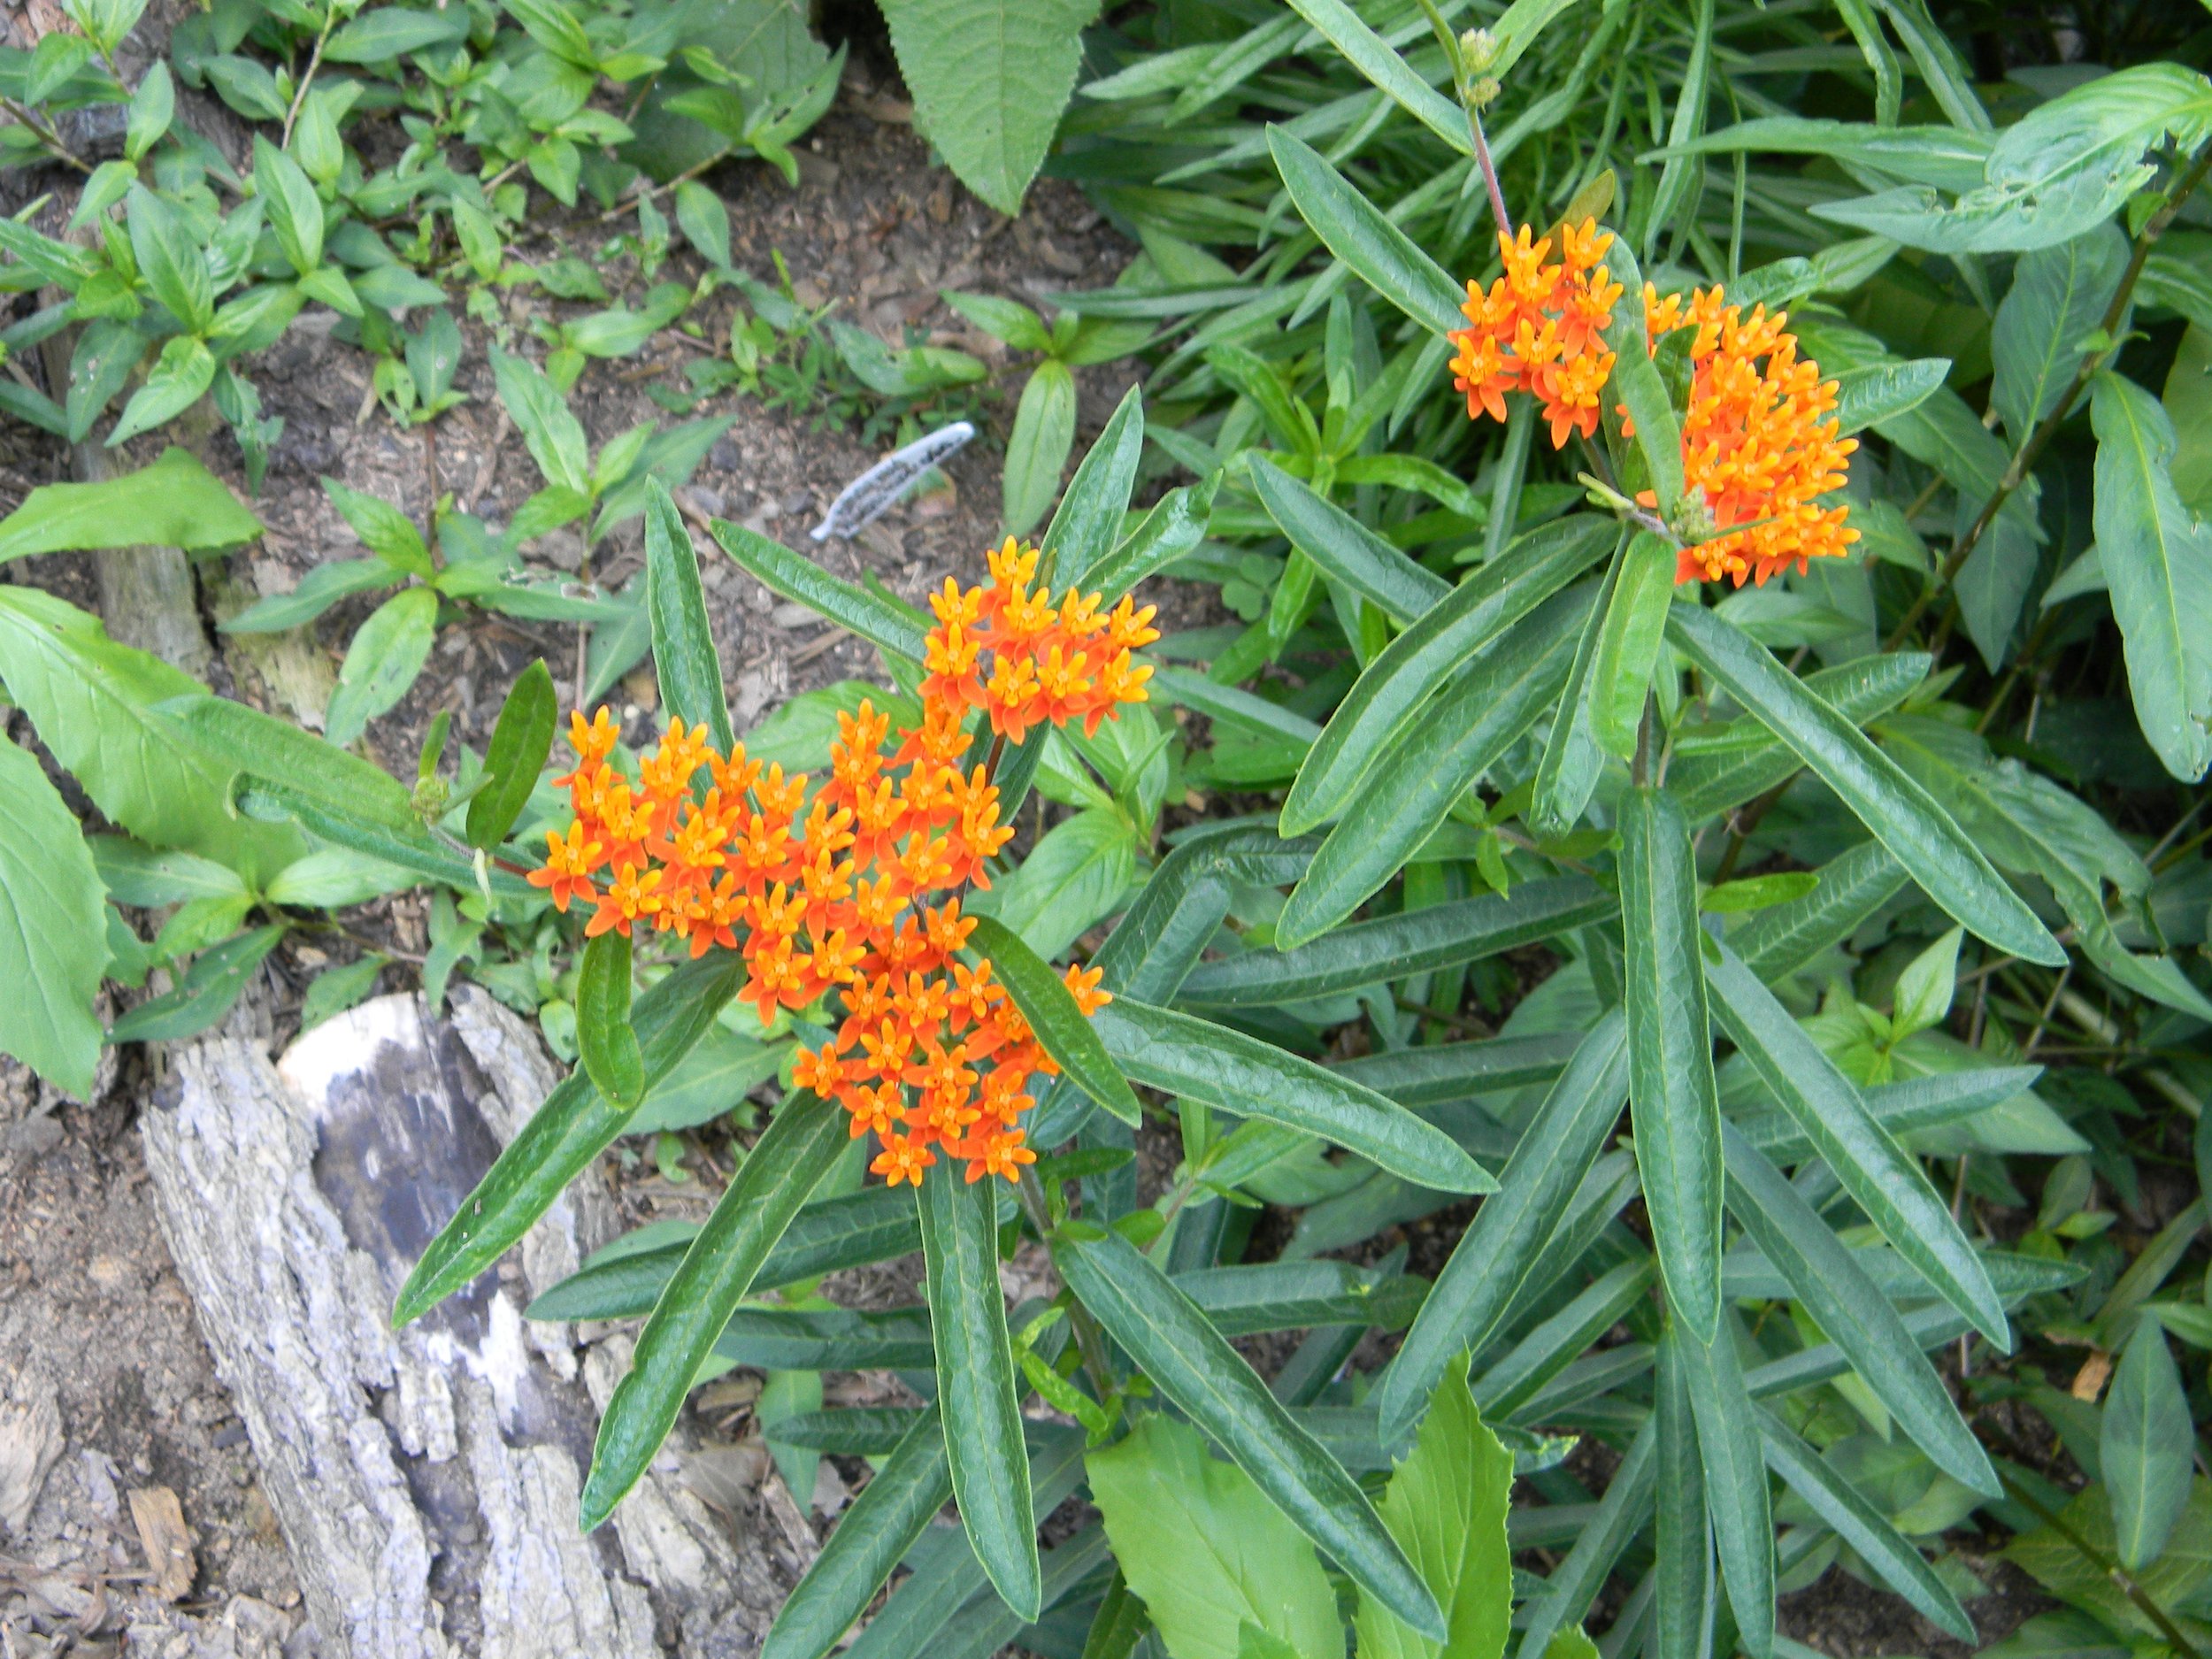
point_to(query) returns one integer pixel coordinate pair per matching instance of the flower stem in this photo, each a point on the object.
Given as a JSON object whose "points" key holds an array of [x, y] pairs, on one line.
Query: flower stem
{"points": [[1489, 174]]}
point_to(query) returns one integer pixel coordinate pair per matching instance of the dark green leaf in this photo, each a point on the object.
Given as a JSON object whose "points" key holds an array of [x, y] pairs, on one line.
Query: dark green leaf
{"points": [[1050, 1009], [1197, 1061], [684, 657], [573, 1126], [775, 1179], [610, 1048], [1903, 816], [1356, 233], [520, 742], [1169, 1339], [1886, 1182], [209, 988], [1346, 548], [2142, 1448], [1504, 1244], [1735, 1481], [1083, 531], [1675, 1102]]}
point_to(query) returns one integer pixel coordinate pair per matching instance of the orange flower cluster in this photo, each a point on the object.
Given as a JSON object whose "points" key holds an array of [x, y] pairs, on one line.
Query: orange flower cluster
{"points": [[849, 888], [1539, 330], [1760, 443]]}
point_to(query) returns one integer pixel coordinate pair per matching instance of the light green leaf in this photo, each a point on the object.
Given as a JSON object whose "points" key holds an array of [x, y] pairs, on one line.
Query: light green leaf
{"points": [[990, 78], [176, 502], [180, 375], [2142, 1448], [53, 935], [1191, 1363], [684, 657], [331, 878], [1925, 987], [2058, 295], [386, 654], [1075, 874], [1037, 449], [553, 434], [1675, 1102], [1373, 56], [1627, 647], [94, 701], [1921, 835], [1204, 1550], [2157, 560], [603, 1036], [976, 1385], [1445, 1505], [884, 623], [1082, 532]]}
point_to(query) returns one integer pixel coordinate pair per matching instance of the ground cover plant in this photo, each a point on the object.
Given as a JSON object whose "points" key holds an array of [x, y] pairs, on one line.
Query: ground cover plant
{"points": [[1681, 801]]}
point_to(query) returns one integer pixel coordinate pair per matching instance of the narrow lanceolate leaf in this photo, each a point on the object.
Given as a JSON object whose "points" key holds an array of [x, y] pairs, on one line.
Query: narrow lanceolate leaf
{"points": [[1445, 1505], [1885, 1180], [1396, 946], [520, 741], [1851, 1309], [684, 657], [1356, 231], [1060, 1024], [1861, 1523], [1573, 759], [1191, 1363], [1735, 1482], [2143, 1449], [1386, 699], [1714, 770], [895, 628], [975, 1383], [1175, 524], [1412, 789], [1567, 1595], [262, 746], [1502, 1246], [775, 1179], [603, 1037], [1854, 884], [1643, 392], [1195, 1060], [1671, 1092], [1346, 548], [890, 1512], [1628, 642], [573, 1125], [1682, 1549], [1083, 530], [1903, 816], [2157, 560]]}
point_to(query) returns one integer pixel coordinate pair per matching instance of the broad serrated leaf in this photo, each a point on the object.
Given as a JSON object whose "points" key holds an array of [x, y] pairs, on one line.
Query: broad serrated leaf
{"points": [[990, 78]]}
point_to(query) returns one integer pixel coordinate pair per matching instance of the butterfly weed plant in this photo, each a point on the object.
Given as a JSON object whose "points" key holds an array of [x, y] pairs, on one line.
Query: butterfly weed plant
{"points": [[1700, 805]]}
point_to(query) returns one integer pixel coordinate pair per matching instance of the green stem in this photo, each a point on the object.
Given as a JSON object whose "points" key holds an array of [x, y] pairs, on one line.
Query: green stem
{"points": [[2104, 1564]]}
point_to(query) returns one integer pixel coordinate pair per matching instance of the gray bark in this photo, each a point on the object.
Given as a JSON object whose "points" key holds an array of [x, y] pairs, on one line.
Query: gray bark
{"points": [[426, 1481]]}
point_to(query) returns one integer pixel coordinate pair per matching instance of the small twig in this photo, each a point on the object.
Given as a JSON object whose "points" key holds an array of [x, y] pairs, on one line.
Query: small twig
{"points": [[307, 79], [46, 135]]}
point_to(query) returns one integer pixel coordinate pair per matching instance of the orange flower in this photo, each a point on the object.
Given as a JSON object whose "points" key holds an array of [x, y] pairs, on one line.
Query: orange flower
{"points": [[848, 886], [1760, 441]]}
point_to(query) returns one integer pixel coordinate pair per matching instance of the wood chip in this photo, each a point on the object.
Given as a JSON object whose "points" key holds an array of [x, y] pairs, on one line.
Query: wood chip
{"points": [[168, 1545], [30, 1441], [2089, 1381]]}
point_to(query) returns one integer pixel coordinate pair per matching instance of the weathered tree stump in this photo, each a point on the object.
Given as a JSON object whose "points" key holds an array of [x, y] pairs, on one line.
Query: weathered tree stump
{"points": [[427, 1481]]}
